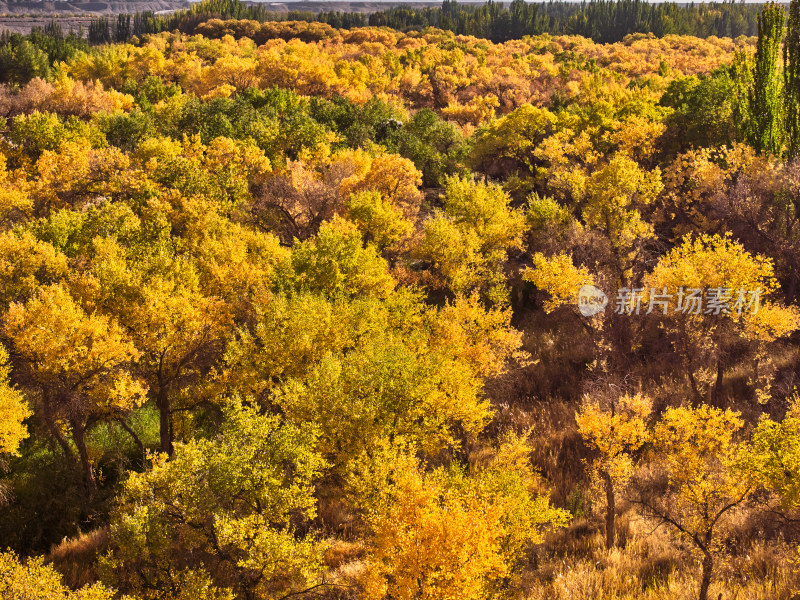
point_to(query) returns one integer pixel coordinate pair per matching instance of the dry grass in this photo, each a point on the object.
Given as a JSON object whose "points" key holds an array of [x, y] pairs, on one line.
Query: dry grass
{"points": [[759, 561], [558, 449], [340, 553], [653, 565], [75, 558], [347, 569]]}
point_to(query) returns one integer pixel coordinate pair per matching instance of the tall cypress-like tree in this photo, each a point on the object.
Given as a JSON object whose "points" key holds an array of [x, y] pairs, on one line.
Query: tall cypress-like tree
{"points": [[741, 72], [122, 29], [765, 101], [791, 80]]}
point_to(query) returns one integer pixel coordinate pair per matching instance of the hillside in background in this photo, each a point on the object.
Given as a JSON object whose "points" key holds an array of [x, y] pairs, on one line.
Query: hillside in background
{"points": [[600, 20], [66, 9]]}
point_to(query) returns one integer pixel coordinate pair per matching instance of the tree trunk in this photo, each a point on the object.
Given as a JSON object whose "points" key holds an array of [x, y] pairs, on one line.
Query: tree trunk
{"points": [[79, 435], [695, 388], [791, 291], [708, 566], [50, 420], [69, 455], [135, 438], [718, 383], [165, 421], [611, 512]]}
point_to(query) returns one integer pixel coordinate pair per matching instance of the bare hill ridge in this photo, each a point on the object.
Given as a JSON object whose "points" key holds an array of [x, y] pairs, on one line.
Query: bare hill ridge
{"points": [[22, 16], [64, 7]]}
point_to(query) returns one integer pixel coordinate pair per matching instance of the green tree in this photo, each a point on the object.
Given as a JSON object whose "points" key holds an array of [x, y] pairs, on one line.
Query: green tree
{"points": [[765, 97], [21, 62], [704, 111], [225, 510], [791, 79]]}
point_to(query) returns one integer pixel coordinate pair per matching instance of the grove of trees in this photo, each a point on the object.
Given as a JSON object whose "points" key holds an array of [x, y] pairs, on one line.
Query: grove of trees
{"points": [[468, 303]]}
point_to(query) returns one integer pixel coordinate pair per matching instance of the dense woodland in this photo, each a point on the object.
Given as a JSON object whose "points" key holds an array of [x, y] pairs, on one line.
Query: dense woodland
{"points": [[292, 311], [600, 20]]}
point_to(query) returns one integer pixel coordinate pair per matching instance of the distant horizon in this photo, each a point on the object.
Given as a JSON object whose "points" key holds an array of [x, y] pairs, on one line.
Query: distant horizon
{"points": [[437, 3]]}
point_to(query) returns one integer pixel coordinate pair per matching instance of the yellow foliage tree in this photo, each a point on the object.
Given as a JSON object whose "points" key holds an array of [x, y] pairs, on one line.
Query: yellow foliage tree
{"points": [[485, 338], [378, 219], [468, 242], [77, 367], [430, 542], [394, 177], [774, 455], [445, 534], [25, 264], [33, 579], [615, 195], [713, 292], [615, 432], [511, 140], [13, 410], [558, 277], [700, 459]]}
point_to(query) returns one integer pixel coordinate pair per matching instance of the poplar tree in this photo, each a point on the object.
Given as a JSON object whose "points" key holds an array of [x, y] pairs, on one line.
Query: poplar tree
{"points": [[791, 79], [765, 108]]}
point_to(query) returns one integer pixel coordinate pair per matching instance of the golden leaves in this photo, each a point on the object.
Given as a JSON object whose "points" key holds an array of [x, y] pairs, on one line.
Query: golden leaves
{"points": [[63, 344], [468, 242], [615, 431], [13, 410], [33, 578], [712, 262], [559, 277], [432, 543], [394, 177]]}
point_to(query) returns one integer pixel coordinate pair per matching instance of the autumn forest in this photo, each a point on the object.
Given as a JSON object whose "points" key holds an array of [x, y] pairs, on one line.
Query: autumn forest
{"points": [[459, 303]]}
